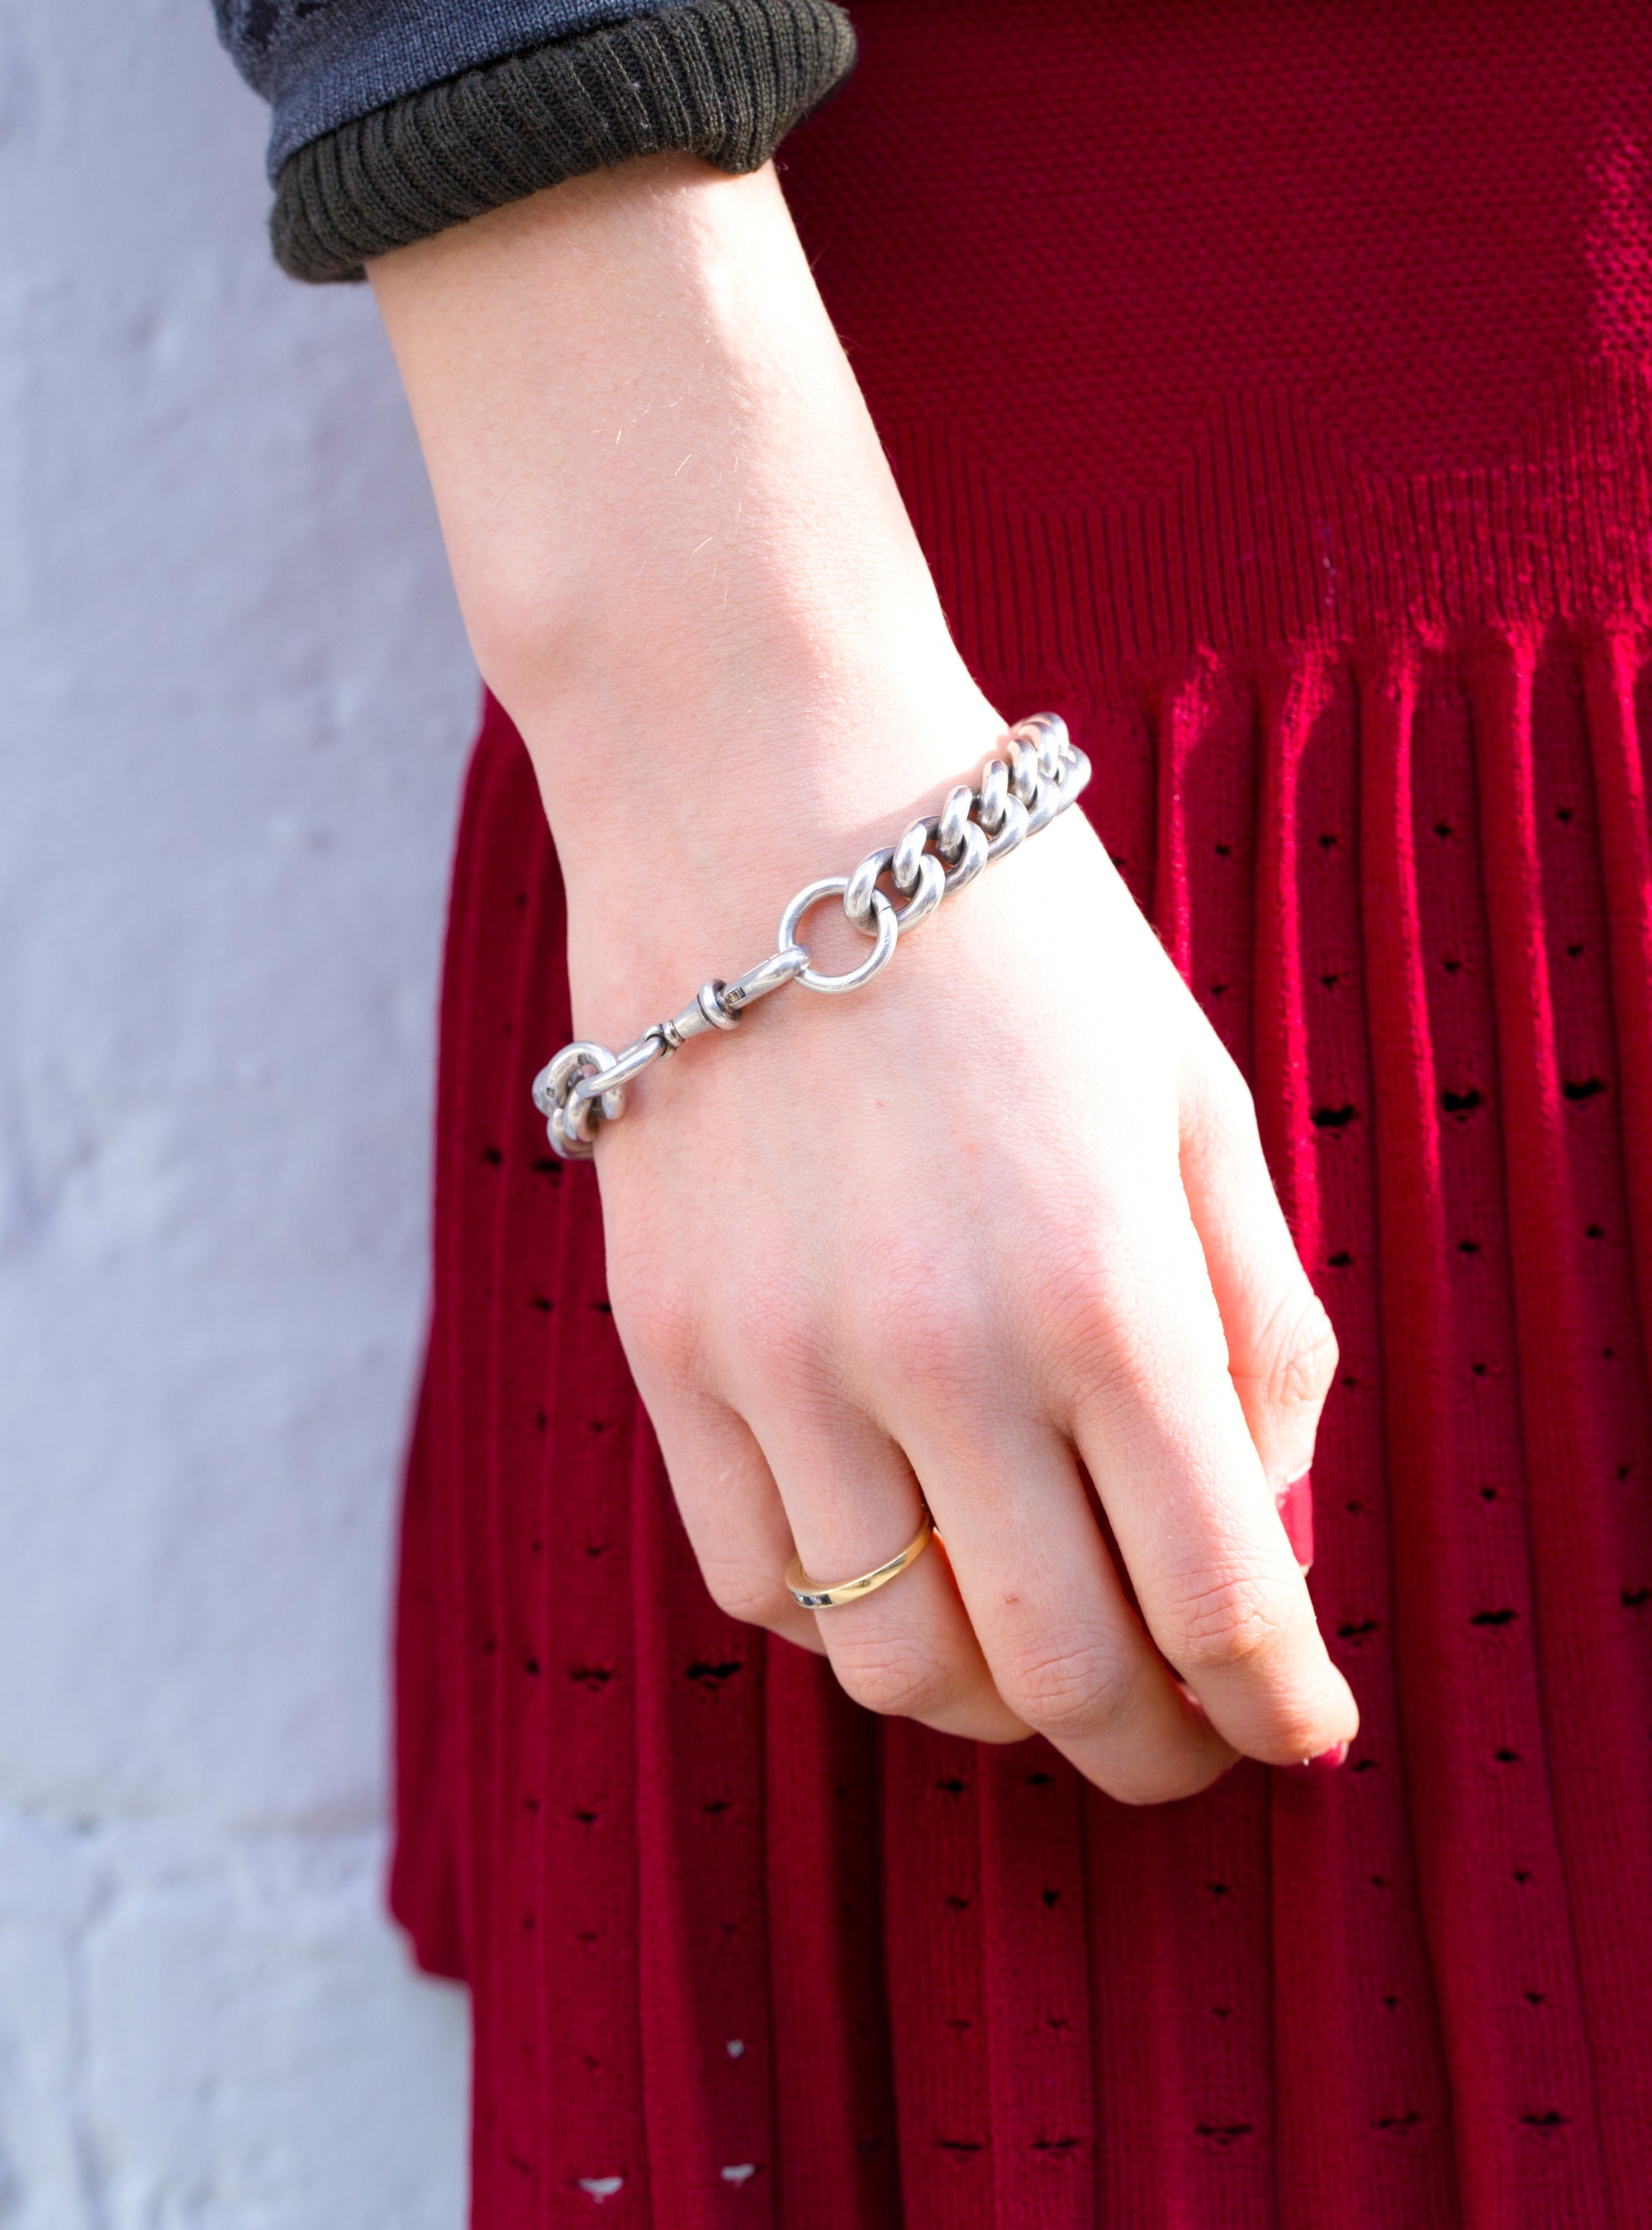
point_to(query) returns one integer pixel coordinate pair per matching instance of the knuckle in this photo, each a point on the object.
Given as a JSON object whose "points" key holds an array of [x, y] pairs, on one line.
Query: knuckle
{"points": [[1081, 1316], [1084, 1322], [1295, 1359], [746, 1593], [900, 1678], [661, 1325], [1114, 1344], [927, 1336], [1067, 1691], [1300, 1352], [780, 1339], [1236, 1622], [1162, 1777], [1311, 1356]]}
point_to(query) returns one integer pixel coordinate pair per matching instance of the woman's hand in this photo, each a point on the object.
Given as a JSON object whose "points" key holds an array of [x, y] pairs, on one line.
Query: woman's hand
{"points": [[998, 1221], [1002, 1214]]}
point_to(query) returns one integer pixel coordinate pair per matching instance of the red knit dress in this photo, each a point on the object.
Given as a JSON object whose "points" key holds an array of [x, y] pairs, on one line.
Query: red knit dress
{"points": [[1272, 387]]}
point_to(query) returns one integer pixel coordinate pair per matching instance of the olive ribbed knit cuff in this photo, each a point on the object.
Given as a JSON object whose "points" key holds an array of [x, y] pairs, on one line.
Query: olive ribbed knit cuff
{"points": [[722, 78]]}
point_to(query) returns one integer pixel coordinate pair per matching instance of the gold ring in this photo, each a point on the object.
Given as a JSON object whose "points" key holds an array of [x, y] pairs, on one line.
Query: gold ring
{"points": [[814, 1597]]}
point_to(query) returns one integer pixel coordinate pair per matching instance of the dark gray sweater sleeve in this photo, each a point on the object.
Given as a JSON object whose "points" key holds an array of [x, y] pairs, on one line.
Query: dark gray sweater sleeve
{"points": [[394, 118]]}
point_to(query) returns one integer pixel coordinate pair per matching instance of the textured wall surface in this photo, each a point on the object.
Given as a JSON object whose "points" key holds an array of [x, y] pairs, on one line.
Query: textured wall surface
{"points": [[234, 697]]}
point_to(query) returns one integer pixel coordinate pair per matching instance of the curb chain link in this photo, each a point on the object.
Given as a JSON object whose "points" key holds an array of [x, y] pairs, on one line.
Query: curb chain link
{"points": [[1040, 774]]}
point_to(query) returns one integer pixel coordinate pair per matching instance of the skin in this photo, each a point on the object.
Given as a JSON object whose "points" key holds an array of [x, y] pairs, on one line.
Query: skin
{"points": [[998, 1227]]}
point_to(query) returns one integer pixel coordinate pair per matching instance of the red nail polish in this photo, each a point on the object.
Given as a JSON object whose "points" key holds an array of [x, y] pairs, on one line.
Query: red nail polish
{"points": [[1295, 1502], [1326, 1762]]}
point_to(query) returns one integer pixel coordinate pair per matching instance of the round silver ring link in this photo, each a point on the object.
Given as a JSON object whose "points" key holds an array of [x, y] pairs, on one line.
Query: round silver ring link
{"points": [[914, 869], [1054, 746], [1013, 829], [1048, 806], [1024, 773], [629, 1061], [952, 824], [907, 855], [1040, 775], [960, 846], [976, 853], [1075, 774], [1063, 770], [857, 891], [887, 933], [992, 795], [911, 869], [930, 877], [1048, 732], [571, 1127]]}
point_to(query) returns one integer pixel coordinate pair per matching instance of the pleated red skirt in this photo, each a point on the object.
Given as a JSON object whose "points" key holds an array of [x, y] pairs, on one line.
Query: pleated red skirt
{"points": [[1272, 386]]}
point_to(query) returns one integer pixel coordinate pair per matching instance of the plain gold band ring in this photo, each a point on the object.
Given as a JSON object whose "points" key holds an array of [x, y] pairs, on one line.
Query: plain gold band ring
{"points": [[813, 1596]]}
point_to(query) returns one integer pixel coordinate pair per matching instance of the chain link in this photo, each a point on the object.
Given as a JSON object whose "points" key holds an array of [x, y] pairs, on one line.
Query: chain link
{"points": [[1040, 773]]}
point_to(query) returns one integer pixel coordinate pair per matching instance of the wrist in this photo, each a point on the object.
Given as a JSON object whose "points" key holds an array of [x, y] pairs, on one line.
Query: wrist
{"points": [[683, 832], [1034, 779]]}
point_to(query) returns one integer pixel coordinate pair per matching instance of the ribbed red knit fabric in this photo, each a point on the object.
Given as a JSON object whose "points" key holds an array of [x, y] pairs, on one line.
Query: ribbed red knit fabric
{"points": [[1271, 386]]}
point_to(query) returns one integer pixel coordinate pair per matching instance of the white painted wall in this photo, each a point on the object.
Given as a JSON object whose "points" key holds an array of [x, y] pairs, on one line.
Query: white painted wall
{"points": [[234, 703]]}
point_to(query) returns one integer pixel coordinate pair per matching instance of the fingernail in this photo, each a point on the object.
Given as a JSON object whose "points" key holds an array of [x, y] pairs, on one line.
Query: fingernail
{"points": [[1326, 1762], [1295, 1504]]}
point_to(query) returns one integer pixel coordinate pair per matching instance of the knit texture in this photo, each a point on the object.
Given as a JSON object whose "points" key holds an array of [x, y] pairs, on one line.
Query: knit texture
{"points": [[724, 80], [319, 63], [1275, 402]]}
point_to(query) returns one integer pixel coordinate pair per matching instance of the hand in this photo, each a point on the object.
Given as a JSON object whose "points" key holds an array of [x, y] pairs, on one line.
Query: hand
{"points": [[1002, 1214]]}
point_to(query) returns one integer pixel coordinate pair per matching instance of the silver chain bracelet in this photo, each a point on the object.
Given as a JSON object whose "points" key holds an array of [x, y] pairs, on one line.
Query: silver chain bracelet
{"points": [[1040, 775]]}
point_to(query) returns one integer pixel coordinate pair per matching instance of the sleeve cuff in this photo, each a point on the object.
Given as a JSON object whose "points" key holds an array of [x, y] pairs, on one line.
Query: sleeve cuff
{"points": [[724, 80]]}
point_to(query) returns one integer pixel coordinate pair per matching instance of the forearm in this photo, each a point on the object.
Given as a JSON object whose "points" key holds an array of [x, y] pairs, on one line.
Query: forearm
{"points": [[936, 1238], [686, 569]]}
